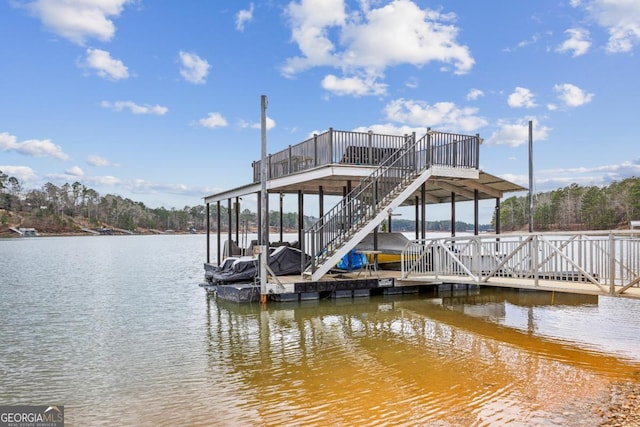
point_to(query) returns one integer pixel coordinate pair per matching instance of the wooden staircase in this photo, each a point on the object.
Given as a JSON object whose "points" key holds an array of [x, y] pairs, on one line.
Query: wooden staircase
{"points": [[369, 203]]}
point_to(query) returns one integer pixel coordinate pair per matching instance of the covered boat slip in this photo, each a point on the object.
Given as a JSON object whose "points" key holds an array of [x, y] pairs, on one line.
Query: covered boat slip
{"points": [[374, 175]]}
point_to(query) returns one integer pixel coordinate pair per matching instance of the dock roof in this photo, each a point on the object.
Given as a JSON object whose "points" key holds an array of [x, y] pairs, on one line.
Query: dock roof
{"points": [[335, 178]]}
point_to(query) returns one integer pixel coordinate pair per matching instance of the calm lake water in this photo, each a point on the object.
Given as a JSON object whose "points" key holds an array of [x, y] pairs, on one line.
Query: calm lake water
{"points": [[117, 330]]}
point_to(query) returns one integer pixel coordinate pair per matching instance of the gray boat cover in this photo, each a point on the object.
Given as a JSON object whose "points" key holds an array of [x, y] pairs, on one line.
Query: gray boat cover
{"points": [[283, 261]]}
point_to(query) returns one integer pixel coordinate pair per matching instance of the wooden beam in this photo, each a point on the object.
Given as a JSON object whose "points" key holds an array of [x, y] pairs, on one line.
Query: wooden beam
{"points": [[482, 187], [431, 198], [454, 188]]}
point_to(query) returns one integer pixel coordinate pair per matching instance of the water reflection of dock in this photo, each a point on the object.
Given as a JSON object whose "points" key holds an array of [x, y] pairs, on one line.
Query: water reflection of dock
{"points": [[419, 352]]}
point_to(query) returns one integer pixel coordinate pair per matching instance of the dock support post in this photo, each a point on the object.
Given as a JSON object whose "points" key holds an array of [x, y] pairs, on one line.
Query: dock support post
{"points": [[218, 223], [475, 213], [229, 229], [300, 215], [264, 220], [208, 233], [417, 222], [237, 208], [423, 224], [321, 212], [281, 208], [453, 214]]}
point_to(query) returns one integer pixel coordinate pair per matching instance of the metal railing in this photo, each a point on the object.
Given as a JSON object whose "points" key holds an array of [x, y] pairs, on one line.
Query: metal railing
{"points": [[362, 148], [397, 170], [610, 261]]}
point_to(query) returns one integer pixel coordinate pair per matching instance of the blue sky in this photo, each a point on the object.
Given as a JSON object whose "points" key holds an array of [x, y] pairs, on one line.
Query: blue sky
{"points": [[160, 101]]}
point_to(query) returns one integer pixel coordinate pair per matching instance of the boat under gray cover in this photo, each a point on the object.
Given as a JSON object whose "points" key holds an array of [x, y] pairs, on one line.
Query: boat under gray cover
{"points": [[283, 260]]}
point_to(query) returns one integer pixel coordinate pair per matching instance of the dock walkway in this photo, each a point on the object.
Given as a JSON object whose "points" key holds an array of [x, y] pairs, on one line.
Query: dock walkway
{"points": [[597, 263]]}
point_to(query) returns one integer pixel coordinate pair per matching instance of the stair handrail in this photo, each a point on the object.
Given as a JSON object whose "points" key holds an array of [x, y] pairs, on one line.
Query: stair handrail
{"points": [[363, 202], [357, 205]]}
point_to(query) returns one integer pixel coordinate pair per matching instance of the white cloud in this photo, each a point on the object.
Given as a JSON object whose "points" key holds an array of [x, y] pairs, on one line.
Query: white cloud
{"points": [[75, 171], [474, 94], [135, 108], [517, 133], [524, 43], [571, 95], [79, 20], [194, 69], [621, 18], [213, 120], [369, 40], [353, 86], [270, 124], [578, 42], [32, 147], [108, 180], [391, 129], [244, 16], [22, 173], [140, 186], [441, 115], [99, 161], [104, 65], [550, 179], [521, 98], [411, 83]]}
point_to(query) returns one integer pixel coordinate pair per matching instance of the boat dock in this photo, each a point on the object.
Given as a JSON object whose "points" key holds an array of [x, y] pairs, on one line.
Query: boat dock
{"points": [[25, 231], [369, 176]]}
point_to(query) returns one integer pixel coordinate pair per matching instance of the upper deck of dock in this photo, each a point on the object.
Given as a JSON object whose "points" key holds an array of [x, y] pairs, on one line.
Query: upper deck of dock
{"points": [[334, 162]]}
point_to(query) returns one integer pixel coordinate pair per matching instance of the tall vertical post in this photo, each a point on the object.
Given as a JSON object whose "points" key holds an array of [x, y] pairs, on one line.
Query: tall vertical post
{"points": [[264, 218], [281, 209], [476, 209], [218, 227], [530, 176], [497, 214], [321, 213], [417, 221], [300, 216], [229, 229], [208, 233], [423, 209], [237, 214], [453, 214]]}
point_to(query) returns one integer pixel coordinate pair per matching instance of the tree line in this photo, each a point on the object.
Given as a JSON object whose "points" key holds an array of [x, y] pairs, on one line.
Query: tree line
{"points": [[57, 208], [575, 208], [570, 208]]}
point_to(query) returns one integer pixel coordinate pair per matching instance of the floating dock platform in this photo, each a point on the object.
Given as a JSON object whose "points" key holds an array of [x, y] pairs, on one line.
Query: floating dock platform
{"points": [[338, 286]]}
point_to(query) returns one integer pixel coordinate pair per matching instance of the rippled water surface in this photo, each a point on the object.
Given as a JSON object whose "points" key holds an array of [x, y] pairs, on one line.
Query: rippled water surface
{"points": [[117, 330]]}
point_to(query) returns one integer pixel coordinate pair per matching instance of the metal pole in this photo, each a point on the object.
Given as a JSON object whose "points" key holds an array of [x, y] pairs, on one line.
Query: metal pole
{"points": [[229, 229], [218, 227], [264, 218], [281, 219], [530, 176], [475, 213], [453, 214], [208, 234], [237, 214]]}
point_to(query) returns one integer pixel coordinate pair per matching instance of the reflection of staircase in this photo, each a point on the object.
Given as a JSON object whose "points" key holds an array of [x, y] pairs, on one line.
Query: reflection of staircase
{"points": [[367, 205]]}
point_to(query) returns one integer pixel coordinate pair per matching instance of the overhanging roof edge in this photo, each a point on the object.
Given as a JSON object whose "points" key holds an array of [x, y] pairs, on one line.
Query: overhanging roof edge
{"points": [[234, 192]]}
